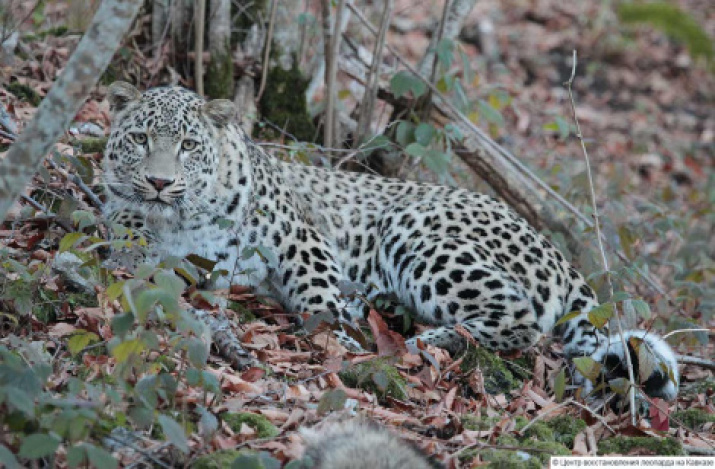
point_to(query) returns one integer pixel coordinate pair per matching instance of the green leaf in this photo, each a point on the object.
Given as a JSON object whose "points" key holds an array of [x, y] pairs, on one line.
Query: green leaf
{"points": [[76, 455], [7, 459], [437, 161], [424, 134], [620, 386], [444, 52], [404, 135], [642, 308], [174, 433], [267, 255], [560, 385], [70, 239], [126, 349], [489, 113], [169, 282], [198, 352], [404, 82], [588, 367], [378, 142], [83, 219], [20, 400], [79, 340], [114, 291], [201, 262], [122, 324], [600, 315], [620, 296], [628, 239], [99, 457], [38, 445], [416, 150]]}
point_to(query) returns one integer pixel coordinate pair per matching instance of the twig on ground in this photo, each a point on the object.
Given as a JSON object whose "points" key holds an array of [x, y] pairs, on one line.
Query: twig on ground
{"points": [[696, 361], [38, 206], [543, 415], [267, 50], [597, 225], [699, 451], [78, 182]]}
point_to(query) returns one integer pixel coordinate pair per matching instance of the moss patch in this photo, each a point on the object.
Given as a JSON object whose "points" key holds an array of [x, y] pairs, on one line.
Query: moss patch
{"points": [[498, 378], [283, 103], [217, 460], [640, 445], [24, 93], [263, 427], [377, 376], [692, 418], [553, 437], [472, 422]]}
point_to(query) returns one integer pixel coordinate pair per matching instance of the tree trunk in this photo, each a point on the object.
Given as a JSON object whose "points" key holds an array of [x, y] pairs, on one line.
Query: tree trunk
{"points": [[85, 67], [219, 79], [159, 23]]}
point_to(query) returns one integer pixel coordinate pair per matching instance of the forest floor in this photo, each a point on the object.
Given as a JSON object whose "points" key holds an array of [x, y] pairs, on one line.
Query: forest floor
{"points": [[647, 111]]}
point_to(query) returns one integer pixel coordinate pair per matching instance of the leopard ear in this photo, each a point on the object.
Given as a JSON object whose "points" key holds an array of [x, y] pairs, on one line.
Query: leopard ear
{"points": [[120, 94], [220, 111]]}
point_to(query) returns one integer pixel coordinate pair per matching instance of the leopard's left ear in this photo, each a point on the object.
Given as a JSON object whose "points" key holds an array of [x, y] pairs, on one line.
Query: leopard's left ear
{"points": [[220, 111], [120, 94]]}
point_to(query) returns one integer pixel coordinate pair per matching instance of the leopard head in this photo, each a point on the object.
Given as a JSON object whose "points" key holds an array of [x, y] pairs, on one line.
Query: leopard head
{"points": [[164, 148]]}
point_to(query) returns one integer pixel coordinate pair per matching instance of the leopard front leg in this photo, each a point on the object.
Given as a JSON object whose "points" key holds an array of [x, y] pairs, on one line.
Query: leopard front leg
{"points": [[129, 227], [307, 278]]}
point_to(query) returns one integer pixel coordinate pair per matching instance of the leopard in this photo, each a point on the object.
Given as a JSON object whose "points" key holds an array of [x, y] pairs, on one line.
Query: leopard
{"points": [[178, 169]]}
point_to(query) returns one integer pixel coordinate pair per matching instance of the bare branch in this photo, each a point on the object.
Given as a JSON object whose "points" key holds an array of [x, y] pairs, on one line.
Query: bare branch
{"points": [[199, 24], [267, 50], [696, 361], [368, 101], [604, 258]]}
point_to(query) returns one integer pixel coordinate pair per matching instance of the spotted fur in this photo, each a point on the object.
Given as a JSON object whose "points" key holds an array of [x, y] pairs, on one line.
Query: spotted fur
{"points": [[451, 255]]}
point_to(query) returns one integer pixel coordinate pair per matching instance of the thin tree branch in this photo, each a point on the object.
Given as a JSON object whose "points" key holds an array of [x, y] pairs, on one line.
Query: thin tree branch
{"points": [[199, 20], [597, 225], [696, 361], [267, 50], [368, 101]]}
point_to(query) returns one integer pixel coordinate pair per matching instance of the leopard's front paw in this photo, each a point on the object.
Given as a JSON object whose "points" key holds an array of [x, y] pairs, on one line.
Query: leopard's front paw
{"points": [[654, 364], [125, 258]]}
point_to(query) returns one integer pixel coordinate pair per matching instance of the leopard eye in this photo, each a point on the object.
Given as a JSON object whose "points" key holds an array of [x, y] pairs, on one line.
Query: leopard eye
{"points": [[189, 145], [139, 138]]}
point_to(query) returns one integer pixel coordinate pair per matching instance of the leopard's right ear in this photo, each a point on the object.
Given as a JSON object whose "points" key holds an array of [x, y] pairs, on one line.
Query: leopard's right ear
{"points": [[120, 94]]}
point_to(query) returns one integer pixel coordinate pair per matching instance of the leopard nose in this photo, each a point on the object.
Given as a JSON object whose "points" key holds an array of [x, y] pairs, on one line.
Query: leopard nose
{"points": [[159, 183]]}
